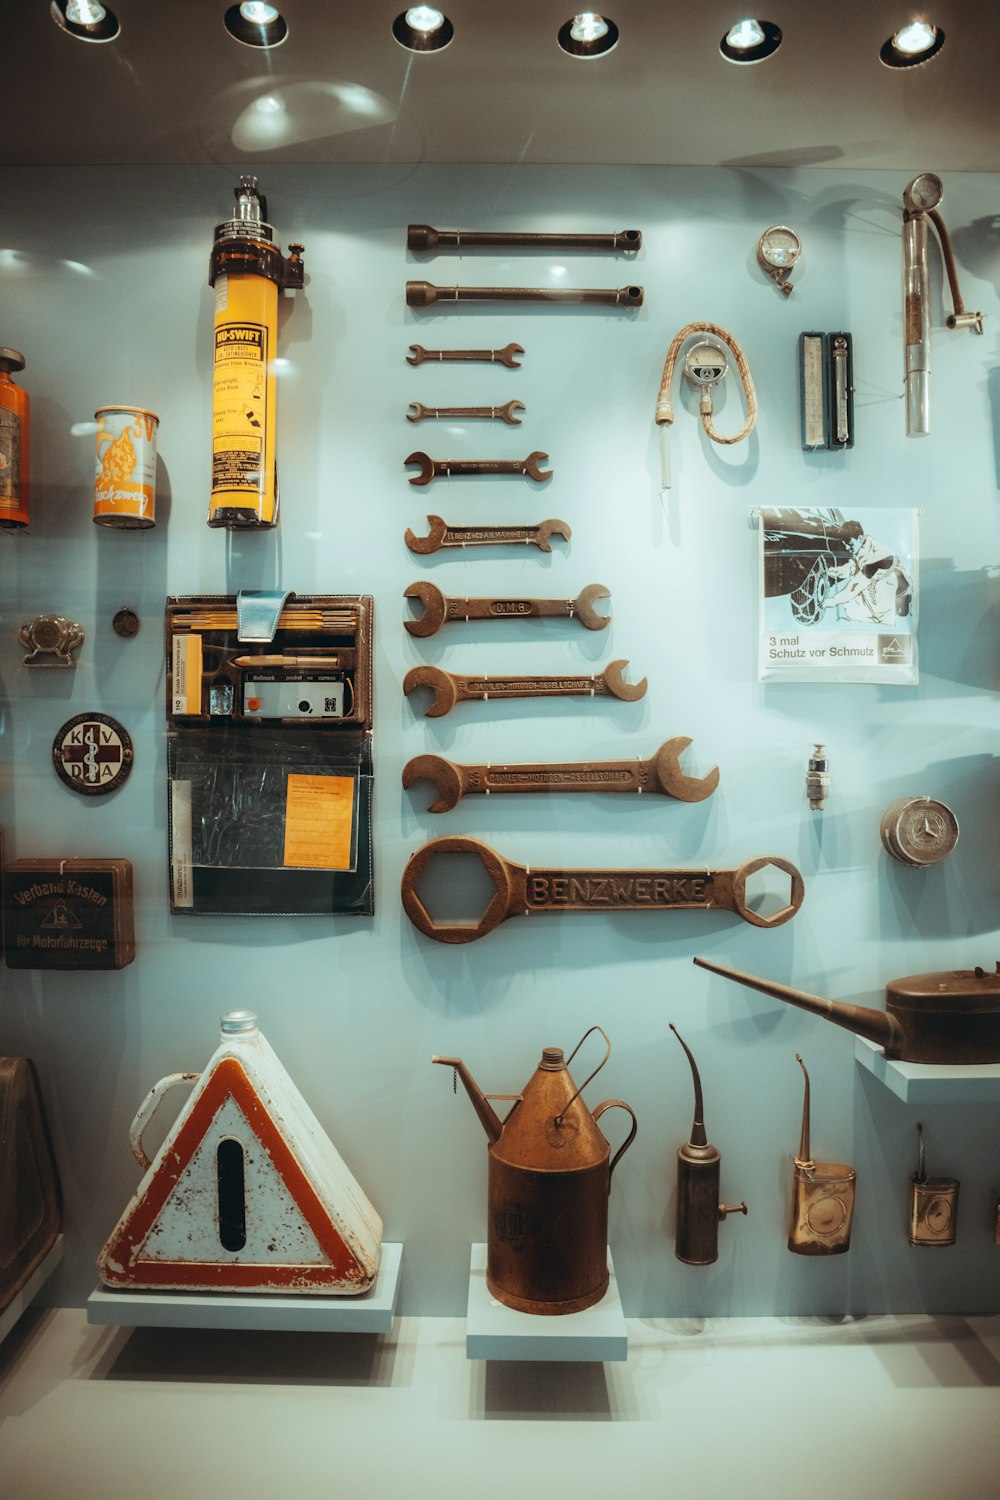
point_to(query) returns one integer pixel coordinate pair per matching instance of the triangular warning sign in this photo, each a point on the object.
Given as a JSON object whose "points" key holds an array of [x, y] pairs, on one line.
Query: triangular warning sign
{"points": [[233, 1201], [60, 918]]}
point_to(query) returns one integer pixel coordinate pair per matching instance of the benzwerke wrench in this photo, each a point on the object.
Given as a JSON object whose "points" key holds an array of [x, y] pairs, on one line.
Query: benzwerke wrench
{"points": [[443, 535], [661, 773], [447, 468], [439, 609], [503, 356], [521, 891], [418, 412], [449, 689]]}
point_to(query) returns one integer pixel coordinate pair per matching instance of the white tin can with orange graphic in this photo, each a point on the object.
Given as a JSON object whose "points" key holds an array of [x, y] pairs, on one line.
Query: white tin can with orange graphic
{"points": [[125, 478]]}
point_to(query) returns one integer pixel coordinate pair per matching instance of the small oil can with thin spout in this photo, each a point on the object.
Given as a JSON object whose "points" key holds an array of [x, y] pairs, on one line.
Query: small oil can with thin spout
{"points": [[822, 1197]]}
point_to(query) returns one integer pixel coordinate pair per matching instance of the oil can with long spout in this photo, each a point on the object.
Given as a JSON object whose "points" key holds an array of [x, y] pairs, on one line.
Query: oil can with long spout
{"points": [[549, 1181], [699, 1212], [822, 1196], [949, 1017]]}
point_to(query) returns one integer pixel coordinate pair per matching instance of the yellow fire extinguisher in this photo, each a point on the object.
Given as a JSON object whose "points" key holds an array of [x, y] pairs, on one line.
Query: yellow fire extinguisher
{"points": [[247, 271]]}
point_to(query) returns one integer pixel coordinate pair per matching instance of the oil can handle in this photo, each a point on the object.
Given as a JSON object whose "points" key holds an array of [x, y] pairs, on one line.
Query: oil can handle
{"points": [[618, 1104], [144, 1113]]}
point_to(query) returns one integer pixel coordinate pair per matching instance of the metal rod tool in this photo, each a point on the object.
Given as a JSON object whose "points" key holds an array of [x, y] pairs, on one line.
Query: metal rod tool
{"points": [[424, 294], [422, 238]]}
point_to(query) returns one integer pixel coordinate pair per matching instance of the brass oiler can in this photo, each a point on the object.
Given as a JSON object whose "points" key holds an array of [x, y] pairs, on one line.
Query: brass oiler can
{"points": [[822, 1208]]}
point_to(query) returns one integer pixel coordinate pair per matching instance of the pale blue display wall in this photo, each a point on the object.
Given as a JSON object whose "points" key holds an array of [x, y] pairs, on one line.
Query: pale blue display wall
{"points": [[103, 286]]}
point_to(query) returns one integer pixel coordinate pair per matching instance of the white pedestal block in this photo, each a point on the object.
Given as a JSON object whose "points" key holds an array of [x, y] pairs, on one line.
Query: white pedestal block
{"points": [[493, 1331], [371, 1313], [930, 1083], [31, 1288]]}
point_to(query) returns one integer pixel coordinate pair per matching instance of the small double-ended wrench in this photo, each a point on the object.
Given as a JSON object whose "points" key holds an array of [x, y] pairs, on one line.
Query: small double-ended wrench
{"points": [[504, 356], [519, 890], [440, 610], [424, 239], [449, 468], [506, 413], [424, 294], [660, 773], [449, 689], [442, 535]]}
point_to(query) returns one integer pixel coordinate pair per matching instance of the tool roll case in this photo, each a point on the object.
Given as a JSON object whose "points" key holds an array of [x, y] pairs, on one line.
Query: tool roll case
{"points": [[269, 753], [30, 1206]]}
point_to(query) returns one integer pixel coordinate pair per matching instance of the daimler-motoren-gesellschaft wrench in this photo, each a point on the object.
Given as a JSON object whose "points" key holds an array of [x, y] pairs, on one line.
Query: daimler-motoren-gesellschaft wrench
{"points": [[440, 610], [449, 468], [506, 413], [449, 689], [443, 535], [520, 890], [660, 773]]}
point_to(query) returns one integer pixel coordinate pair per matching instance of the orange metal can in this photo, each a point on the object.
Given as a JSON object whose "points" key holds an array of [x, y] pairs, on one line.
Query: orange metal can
{"points": [[15, 411], [125, 478]]}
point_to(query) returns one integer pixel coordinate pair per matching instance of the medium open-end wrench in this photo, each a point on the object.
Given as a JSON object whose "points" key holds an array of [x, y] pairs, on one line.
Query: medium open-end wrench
{"points": [[448, 468], [661, 773], [449, 689], [443, 535], [418, 412], [424, 294], [421, 237], [520, 890], [504, 356], [440, 610]]}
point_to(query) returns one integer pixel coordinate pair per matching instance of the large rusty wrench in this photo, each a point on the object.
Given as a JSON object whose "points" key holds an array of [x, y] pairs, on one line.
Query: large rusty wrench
{"points": [[449, 689], [660, 773], [440, 610], [522, 891], [506, 413], [442, 535], [447, 468]]}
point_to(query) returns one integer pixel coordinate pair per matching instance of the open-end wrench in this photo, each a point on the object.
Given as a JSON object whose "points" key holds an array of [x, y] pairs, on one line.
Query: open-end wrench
{"points": [[424, 294], [449, 689], [504, 356], [422, 238], [661, 773], [440, 610], [418, 412], [443, 535], [520, 890], [448, 468]]}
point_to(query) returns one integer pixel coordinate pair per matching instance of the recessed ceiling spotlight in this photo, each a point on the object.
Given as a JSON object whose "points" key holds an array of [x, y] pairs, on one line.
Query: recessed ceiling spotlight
{"points": [[917, 42], [750, 40], [423, 28], [85, 19], [588, 34], [256, 24]]}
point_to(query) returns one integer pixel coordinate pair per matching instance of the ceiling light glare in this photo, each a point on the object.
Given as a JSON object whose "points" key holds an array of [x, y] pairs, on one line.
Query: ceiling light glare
{"points": [[85, 19], [588, 34], [915, 43], [255, 24], [422, 28], [750, 40]]}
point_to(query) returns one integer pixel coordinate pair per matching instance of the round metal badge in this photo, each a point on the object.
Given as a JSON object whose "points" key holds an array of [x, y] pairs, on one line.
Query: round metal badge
{"points": [[125, 623], [92, 753]]}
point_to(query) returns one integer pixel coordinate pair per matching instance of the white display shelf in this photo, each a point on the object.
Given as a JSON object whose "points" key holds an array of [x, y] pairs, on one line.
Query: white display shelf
{"points": [[371, 1313], [493, 1331], [930, 1083], [31, 1288]]}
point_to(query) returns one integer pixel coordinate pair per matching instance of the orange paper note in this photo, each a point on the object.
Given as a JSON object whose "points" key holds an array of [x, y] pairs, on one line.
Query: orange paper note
{"points": [[319, 817]]}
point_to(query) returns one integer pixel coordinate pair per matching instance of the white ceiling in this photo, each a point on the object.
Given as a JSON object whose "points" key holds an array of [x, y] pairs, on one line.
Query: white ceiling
{"points": [[175, 88]]}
